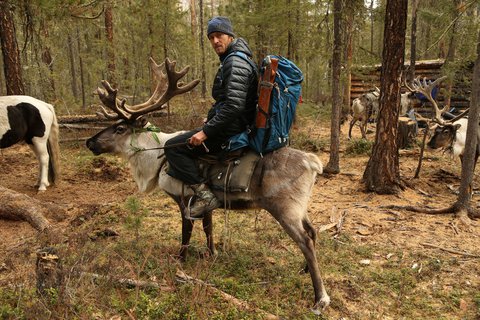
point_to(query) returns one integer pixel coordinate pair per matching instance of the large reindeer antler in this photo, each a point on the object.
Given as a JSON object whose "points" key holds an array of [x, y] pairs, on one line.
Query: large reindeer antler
{"points": [[156, 101], [425, 88]]}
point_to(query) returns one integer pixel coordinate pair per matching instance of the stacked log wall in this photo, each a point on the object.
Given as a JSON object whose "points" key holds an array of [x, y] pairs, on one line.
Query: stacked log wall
{"points": [[366, 78]]}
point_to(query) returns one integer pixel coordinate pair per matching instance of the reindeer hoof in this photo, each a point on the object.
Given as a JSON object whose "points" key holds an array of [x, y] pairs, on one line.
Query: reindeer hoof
{"points": [[321, 305]]}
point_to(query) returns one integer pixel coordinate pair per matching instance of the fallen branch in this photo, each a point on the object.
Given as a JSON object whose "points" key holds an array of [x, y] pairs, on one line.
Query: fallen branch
{"points": [[426, 210], [182, 277], [79, 126], [336, 220], [129, 283], [89, 118], [74, 139], [450, 250], [19, 206]]}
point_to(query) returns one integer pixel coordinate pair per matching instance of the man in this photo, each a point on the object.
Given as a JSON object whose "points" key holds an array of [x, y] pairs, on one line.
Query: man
{"points": [[235, 93]]}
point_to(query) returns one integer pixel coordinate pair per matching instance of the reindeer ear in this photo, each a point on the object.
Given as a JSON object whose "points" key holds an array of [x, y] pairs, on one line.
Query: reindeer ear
{"points": [[141, 122], [457, 126]]}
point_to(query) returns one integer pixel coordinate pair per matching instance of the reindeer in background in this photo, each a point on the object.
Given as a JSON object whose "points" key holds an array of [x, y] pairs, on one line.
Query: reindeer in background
{"points": [[366, 107], [281, 183], [363, 108], [23, 118], [449, 134]]}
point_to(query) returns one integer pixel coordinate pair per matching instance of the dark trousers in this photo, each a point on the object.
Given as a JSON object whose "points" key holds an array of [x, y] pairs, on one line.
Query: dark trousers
{"points": [[182, 160]]}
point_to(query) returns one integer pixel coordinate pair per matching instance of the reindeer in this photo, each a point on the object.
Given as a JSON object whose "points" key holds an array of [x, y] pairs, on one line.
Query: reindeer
{"points": [[366, 106], [23, 118], [363, 108], [449, 134], [281, 184]]}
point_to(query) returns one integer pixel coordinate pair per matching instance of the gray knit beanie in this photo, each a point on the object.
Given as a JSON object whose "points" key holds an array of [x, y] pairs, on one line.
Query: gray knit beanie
{"points": [[220, 24]]}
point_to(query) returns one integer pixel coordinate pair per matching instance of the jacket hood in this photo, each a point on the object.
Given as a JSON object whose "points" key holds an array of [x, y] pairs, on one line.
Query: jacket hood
{"points": [[238, 44]]}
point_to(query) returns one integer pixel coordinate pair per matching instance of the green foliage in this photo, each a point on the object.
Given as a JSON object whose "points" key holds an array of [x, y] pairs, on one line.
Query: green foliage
{"points": [[299, 29], [9, 308], [476, 300], [359, 147]]}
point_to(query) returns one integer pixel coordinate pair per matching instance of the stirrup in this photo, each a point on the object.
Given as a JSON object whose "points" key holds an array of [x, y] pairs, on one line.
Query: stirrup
{"points": [[187, 211]]}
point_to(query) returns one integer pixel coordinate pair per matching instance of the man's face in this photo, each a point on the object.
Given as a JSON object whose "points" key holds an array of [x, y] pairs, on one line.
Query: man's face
{"points": [[220, 42]]}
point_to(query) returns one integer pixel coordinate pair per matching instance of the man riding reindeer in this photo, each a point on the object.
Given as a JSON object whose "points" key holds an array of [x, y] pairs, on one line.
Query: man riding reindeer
{"points": [[235, 93]]}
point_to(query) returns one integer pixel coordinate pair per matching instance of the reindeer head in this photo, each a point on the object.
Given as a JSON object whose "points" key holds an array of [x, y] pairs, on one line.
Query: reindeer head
{"points": [[444, 136], [114, 138], [445, 131]]}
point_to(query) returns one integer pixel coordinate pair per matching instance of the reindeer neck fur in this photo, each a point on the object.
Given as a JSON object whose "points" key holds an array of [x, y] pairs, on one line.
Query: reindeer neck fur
{"points": [[458, 141], [141, 151]]}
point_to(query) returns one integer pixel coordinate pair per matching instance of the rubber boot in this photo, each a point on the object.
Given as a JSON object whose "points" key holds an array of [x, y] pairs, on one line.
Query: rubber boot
{"points": [[205, 201]]}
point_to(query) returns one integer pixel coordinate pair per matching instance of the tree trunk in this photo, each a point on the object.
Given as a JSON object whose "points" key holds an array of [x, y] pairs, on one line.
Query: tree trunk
{"points": [[193, 18], [73, 70], [471, 142], [382, 174], [82, 73], [348, 56], [202, 51], [11, 55], [413, 42], [18, 206], [47, 60], [333, 163], [261, 38], [371, 25], [152, 36], [110, 43], [452, 49]]}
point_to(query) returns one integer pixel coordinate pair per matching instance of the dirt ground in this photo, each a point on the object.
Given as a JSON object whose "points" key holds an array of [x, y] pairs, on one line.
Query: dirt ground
{"points": [[80, 189]]}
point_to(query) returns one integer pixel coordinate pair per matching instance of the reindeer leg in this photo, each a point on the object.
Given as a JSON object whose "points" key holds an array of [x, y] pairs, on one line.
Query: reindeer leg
{"points": [[300, 229], [208, 228], [39, 147], [352, 123], [363, 128], [187, 227]]}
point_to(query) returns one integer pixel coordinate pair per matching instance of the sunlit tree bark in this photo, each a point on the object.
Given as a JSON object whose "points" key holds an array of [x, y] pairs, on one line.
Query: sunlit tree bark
{"points": [[382, 173]]}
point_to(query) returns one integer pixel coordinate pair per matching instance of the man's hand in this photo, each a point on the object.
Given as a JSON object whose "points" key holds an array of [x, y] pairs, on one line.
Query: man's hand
{"points": [[197, 138]]}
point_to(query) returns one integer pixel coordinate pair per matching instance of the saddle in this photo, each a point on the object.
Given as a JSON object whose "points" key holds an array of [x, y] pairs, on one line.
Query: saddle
{"points": [[229, 172]]}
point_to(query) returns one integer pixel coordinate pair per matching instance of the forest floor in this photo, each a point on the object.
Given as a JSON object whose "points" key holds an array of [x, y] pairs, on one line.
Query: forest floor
{"points": [[382, 264]]}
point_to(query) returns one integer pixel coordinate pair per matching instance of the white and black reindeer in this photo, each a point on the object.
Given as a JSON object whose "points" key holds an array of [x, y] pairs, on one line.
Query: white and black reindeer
{"points": [[281, 184], [23, 118], [366, 107]]}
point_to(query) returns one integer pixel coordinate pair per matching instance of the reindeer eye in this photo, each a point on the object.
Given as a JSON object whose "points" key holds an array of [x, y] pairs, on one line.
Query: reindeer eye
{"points": [[120, 129]]}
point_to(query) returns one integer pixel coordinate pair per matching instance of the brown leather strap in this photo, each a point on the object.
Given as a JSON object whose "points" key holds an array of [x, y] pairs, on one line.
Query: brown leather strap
{"points": [[265, 91]]}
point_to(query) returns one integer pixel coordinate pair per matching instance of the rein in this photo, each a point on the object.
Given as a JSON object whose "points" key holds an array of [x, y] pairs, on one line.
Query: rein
{"points": [[136, 149], [153, 129]]}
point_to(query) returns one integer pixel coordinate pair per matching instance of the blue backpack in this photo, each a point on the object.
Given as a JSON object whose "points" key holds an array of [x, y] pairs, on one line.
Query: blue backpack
{"points": [[279, 91]]}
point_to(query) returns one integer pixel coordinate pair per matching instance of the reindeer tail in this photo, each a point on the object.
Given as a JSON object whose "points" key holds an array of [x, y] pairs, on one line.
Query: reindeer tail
{"points": [[54, 151], [315, 163]]}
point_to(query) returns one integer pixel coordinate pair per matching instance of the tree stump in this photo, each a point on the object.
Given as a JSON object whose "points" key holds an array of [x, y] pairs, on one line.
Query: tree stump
{"points": [[48, 271], [407, 132]]}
